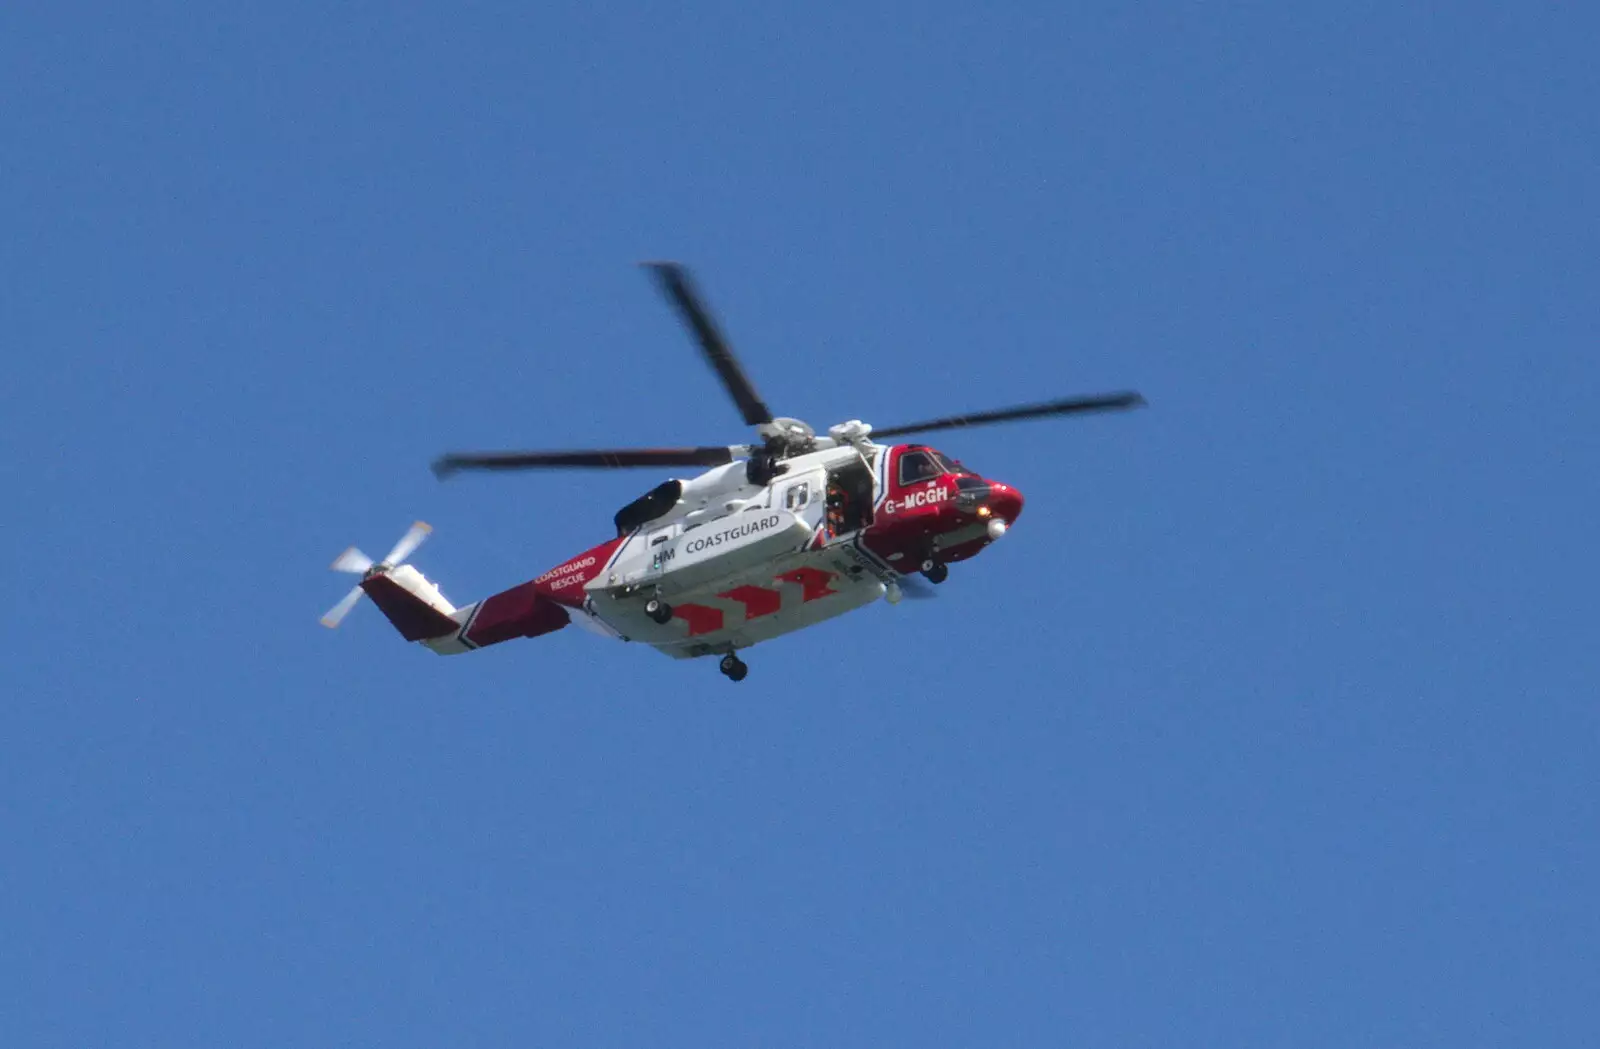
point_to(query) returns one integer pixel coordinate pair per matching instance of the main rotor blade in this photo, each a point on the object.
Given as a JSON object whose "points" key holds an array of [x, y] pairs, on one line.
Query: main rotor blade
{"points": [[408, 543], [675, 283], [1069, 406], [618, 458]]}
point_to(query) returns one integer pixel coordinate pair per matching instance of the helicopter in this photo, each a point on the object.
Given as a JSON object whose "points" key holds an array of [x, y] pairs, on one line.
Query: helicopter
{"points": [[774, 536]]}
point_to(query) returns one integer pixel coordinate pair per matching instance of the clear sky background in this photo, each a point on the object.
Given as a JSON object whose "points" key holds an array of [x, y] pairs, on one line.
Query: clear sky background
{"points": [[1273, 722]]}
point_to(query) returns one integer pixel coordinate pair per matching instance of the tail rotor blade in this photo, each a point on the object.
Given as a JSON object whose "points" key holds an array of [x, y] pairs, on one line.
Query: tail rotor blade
{"points": [[408, 543], [352, 561], [337, 613]]}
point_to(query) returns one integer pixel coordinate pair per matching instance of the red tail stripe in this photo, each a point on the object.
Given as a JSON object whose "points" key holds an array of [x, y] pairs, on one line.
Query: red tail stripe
{"points": [[519, 612]]}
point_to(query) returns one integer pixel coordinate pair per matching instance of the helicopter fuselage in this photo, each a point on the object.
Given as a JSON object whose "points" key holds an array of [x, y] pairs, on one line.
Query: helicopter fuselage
{"points": [[734, 564], [778, 534]]}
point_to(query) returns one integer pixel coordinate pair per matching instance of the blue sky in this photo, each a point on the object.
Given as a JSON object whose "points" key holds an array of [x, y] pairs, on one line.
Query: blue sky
{"points": [[1272, 723]]}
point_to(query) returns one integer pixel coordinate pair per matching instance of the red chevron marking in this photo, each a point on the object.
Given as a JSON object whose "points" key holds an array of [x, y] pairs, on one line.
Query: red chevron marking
{"points": [[758, 601], [813, 582], [701, 619]]}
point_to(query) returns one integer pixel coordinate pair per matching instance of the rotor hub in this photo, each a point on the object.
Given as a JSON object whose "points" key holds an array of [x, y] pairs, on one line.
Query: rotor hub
{"points": [[793, 435], [853, 432]]}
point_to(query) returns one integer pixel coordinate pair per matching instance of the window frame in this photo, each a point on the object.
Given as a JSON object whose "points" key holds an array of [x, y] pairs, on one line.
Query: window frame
{"points": [[797, 496], [928, 457]]}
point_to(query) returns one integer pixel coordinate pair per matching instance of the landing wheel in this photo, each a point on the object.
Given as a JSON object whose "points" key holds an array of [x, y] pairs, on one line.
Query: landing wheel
{"points": [[935, 571], [658, 610], [733, 667]]}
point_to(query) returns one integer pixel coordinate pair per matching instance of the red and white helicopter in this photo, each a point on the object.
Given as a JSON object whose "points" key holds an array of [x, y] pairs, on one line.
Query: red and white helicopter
{"points": [[776, 536]]}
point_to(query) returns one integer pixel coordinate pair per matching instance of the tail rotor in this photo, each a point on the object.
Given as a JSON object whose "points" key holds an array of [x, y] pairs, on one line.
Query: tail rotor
{"points": [[354, 562]]}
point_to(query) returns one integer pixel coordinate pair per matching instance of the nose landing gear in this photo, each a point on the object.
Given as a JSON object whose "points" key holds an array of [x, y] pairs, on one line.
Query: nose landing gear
{"points": [[935, 571], [733, 668], [658, 610]]}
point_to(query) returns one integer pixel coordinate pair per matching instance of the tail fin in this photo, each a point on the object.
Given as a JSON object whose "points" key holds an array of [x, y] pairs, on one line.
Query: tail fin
{"points": [[412, 604]]}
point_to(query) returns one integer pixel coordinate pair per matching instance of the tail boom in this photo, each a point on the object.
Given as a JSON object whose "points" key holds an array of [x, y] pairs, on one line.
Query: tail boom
{"points": [[421, 614]]}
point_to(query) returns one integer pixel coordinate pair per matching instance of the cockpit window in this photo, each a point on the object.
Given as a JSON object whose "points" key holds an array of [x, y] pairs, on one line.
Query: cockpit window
{"points": [[950, 465], [917, 466]]}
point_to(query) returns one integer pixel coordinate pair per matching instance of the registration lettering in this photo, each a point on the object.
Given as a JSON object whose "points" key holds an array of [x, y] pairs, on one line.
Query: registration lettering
{"points": [[917, 500], [884, 575]]}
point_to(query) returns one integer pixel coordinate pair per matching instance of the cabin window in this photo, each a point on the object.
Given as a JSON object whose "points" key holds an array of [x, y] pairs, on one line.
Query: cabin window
{"points": [[797, 496], [917, 466]]}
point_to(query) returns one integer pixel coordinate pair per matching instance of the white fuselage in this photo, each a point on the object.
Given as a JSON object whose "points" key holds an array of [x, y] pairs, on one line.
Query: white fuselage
{"points": [[740, 563]]}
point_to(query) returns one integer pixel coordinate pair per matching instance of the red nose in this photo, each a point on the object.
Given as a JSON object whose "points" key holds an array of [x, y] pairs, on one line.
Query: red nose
{"points": [[1007, 501]]}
